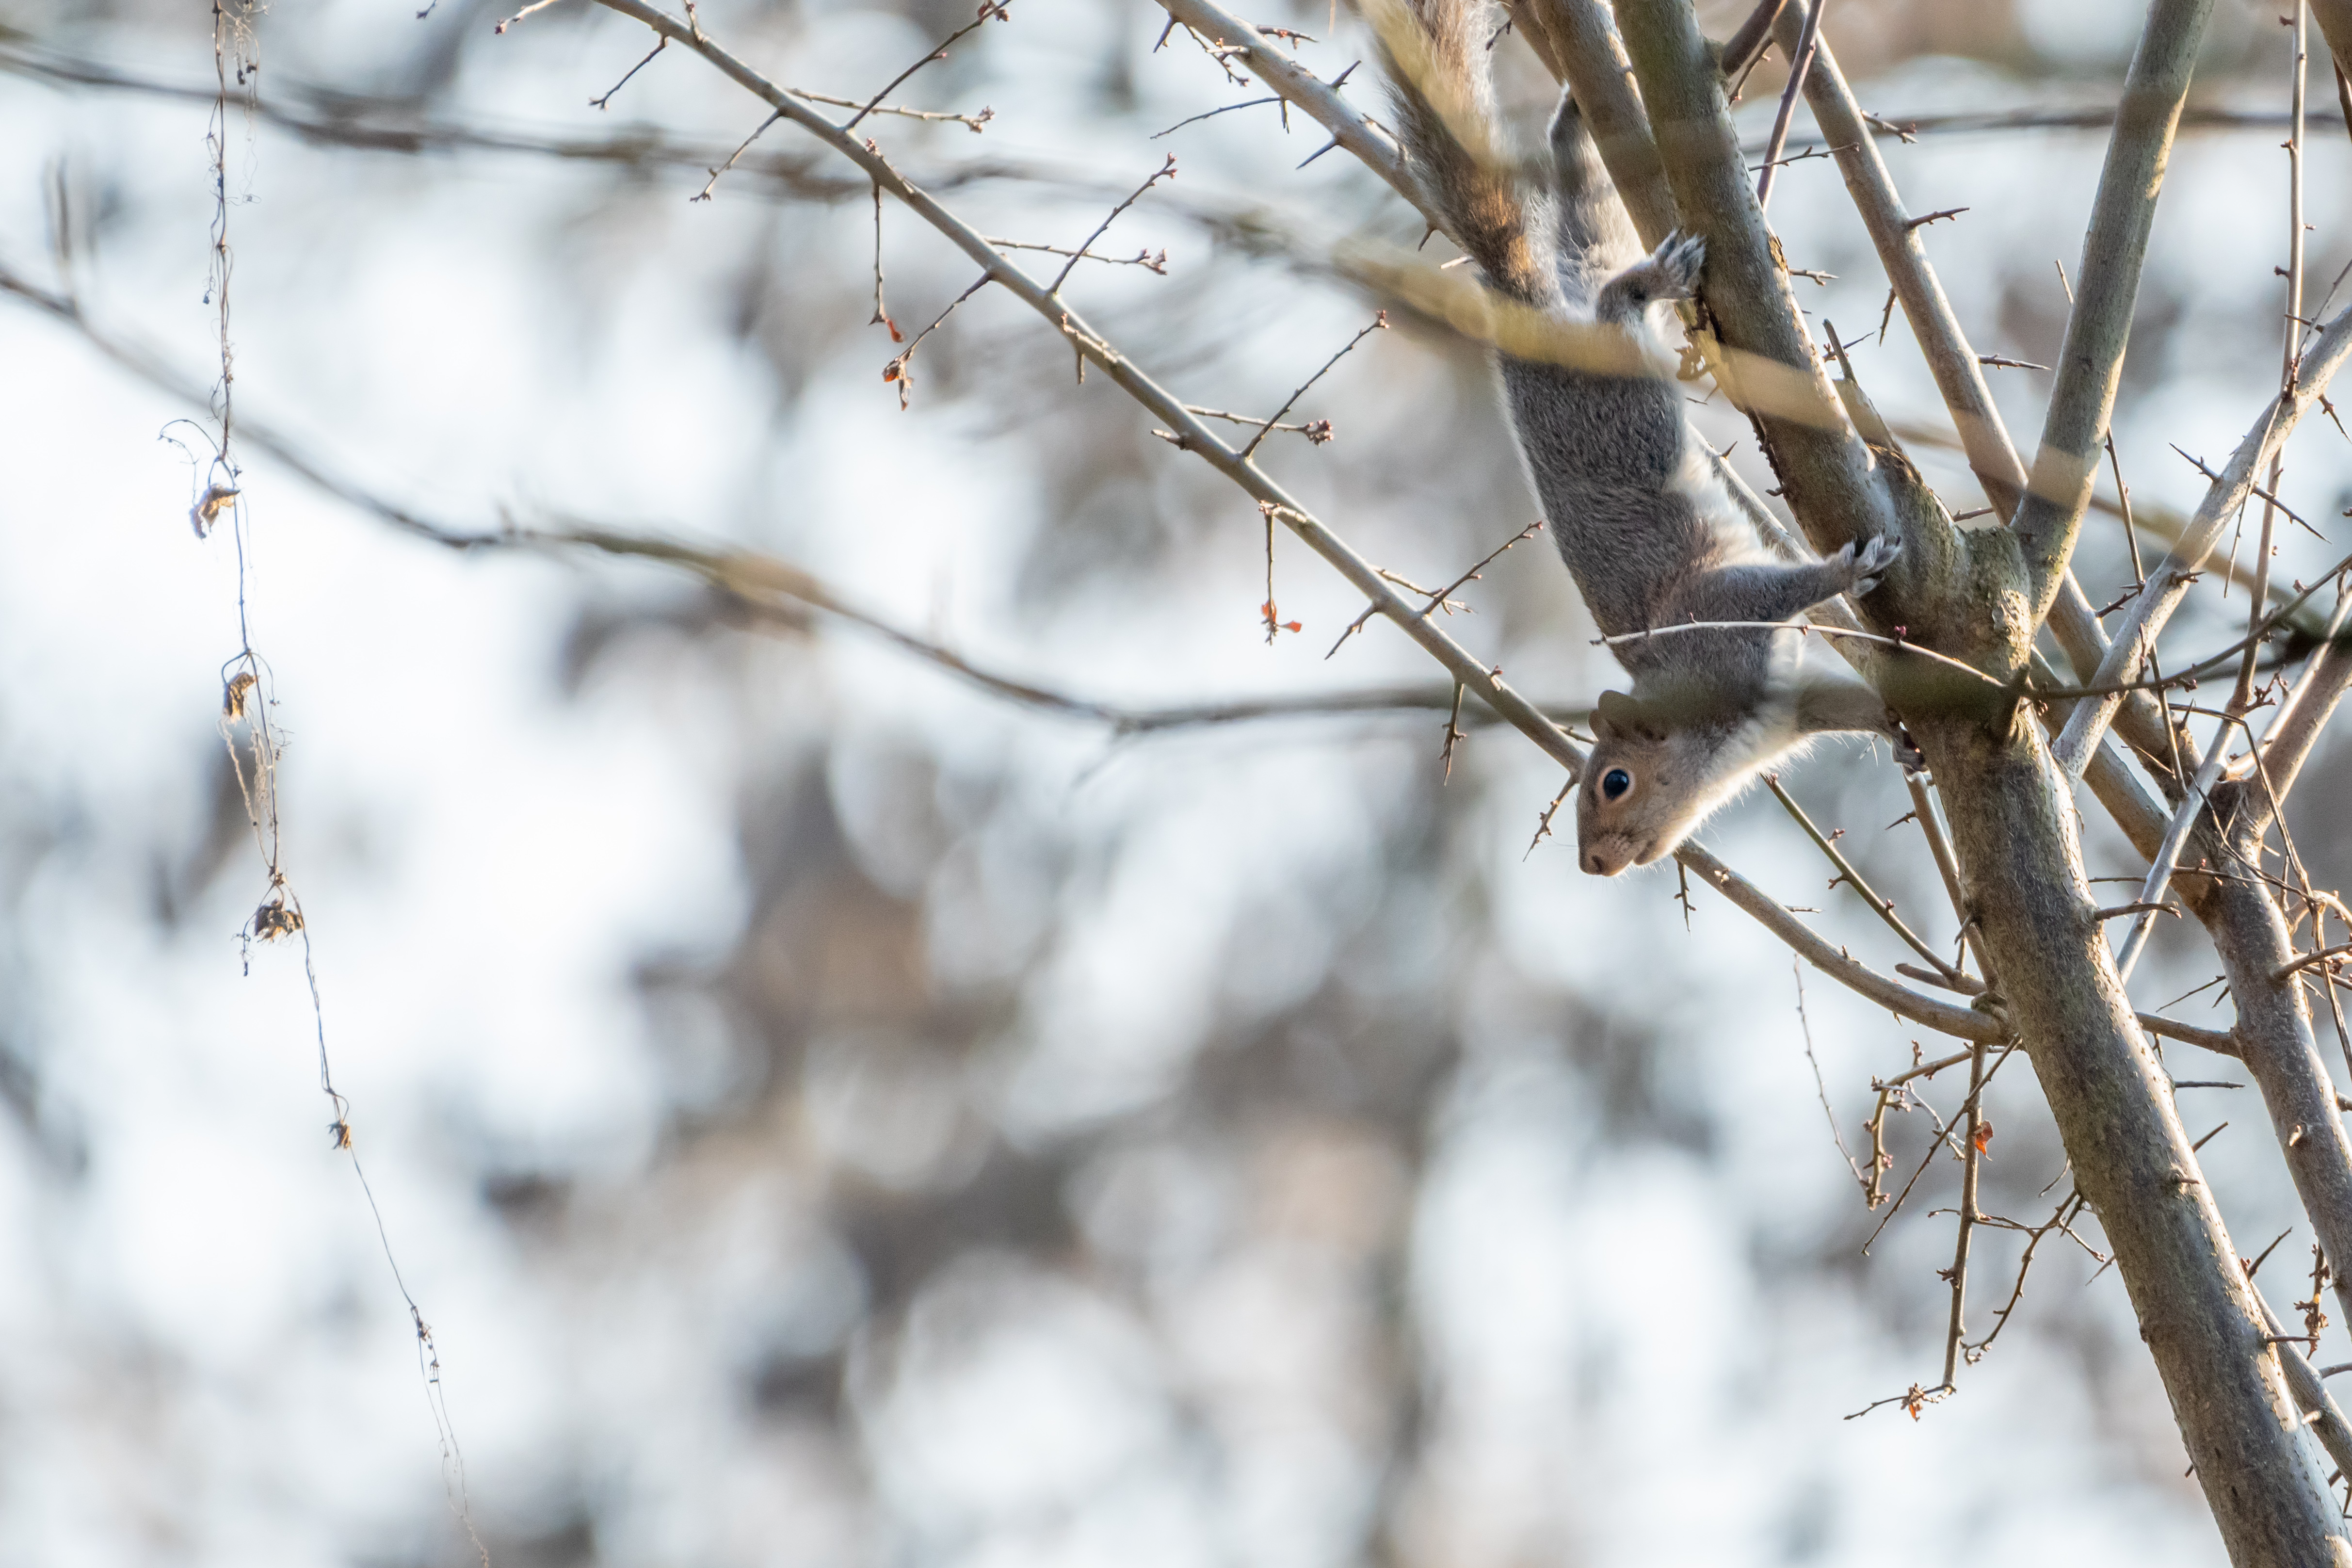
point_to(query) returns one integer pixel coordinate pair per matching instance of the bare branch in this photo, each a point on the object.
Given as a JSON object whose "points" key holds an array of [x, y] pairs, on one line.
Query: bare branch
{"points": [[1883, 907], [1963, 1023], [2302, 716], [989, 11], [1975, 1133], [1167, 172], [1350, 127], [2279, 1048], [1745, 44], [971, 122], [2148, 610], [1801, 49], [1378, 324], [2219, 1042], [2242, 695], [1868, 1185], [2311, 1395], [2159, 873], [1586, 52], [2091, 363], [1826, 469]]}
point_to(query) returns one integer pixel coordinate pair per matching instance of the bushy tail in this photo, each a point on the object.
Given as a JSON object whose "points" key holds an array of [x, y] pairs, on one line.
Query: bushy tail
{"points": [[1435, 52]]}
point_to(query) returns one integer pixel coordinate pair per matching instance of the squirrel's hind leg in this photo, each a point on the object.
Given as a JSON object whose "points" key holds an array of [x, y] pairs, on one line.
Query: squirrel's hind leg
{"points": [[1595, 236]]}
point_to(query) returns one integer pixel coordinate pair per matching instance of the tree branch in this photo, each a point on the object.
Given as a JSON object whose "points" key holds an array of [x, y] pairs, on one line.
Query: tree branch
{"points": [[1587, 53], [2327, 1423], [2146, 611], [1960, 378], [2276, 1042], [1350, 127], [2014, 834], [2090, 365], [1826, 470]]}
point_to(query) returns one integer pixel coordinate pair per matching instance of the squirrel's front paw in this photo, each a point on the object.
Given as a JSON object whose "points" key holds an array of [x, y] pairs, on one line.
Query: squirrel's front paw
{"points": [[1906, 750], [1871, 564], [1677, 261]]}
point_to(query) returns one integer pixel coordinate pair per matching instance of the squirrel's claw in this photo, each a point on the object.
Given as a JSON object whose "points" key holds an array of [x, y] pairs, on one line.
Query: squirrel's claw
{"points": [[1677, 262], [1871, 564]]}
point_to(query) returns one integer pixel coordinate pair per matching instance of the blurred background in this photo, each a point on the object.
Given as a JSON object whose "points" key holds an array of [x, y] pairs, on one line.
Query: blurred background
{"points": [[829, 1114]]}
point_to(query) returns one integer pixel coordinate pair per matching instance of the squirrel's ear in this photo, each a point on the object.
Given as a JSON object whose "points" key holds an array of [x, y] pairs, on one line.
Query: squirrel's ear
{"points": [[1617, 717]]}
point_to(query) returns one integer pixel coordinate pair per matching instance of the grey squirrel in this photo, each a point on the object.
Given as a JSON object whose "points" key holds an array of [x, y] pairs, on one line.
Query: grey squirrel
{"points": [[1636, 509]]}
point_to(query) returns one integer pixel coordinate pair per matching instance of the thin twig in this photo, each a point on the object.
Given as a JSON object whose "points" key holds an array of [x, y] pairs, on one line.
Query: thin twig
{"points": [[743, 147], [899, 372], [989, 11], [1801, 64], [1820, 1088], [606, 100], [1883, 907], [1543, 823], [1167, 172], [2269, 497], [1745, 44], [1976, 1134], [1212, 114], [1454, 735], [1378, 324], [2241, 697], [510, 21], [1317, 431], [971, 122], [1151, 262], [1939, 846]]}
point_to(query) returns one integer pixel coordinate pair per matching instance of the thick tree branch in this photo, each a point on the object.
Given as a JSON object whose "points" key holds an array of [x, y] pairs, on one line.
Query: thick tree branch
{"points": [[2335, 20], [2090, 366], [2292, 735], [2276, 1042], [2014, 830], [1584, 50], [1825, 468], [1902, 251], [2303, 1380]]}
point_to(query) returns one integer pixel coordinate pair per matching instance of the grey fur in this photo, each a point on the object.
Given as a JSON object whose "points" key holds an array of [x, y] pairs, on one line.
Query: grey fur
{"points": [[1635, 508]]}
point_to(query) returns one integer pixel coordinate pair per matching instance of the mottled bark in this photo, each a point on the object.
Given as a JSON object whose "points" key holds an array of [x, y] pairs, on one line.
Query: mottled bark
{"points": [[2014, 830]]}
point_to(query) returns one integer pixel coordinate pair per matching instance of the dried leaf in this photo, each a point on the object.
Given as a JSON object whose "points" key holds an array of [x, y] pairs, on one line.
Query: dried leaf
{"points": [[274, 918], [209, 508]]}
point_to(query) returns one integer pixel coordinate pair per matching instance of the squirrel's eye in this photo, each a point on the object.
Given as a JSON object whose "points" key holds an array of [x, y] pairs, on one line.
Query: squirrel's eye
{"points": [[1615, 783]]}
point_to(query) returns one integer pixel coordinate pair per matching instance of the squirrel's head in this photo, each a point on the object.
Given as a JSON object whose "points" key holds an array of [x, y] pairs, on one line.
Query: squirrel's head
{"points": [[1644, 789]]}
